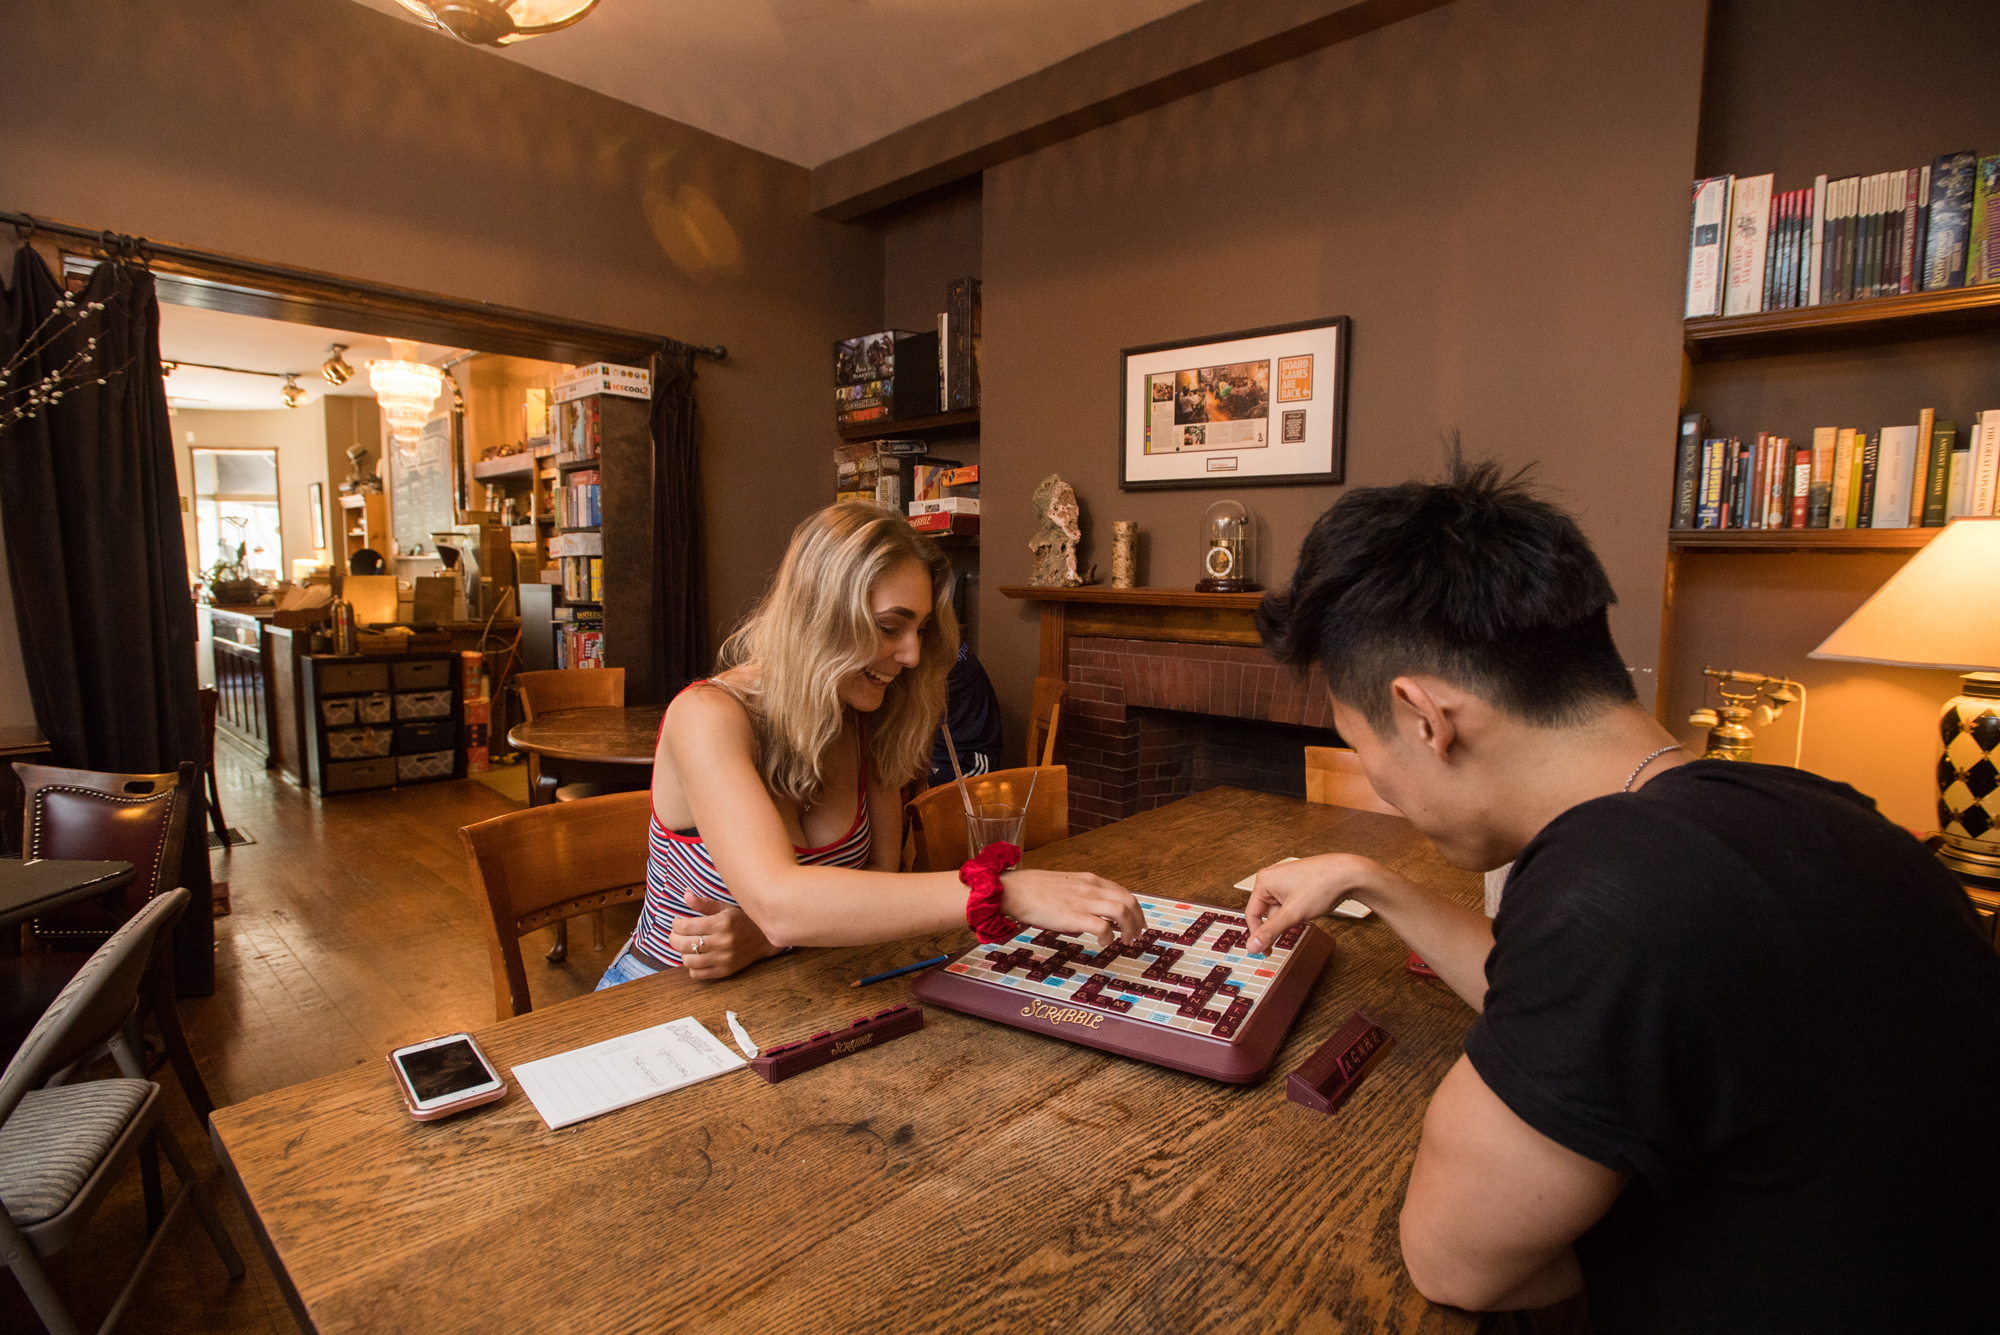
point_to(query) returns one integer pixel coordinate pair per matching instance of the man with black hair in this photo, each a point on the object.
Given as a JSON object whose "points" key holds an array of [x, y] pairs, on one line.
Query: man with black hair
{"points": [[1738, 1051]]}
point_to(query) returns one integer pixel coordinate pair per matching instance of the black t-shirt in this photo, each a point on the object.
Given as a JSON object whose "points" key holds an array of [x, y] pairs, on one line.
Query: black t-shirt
{"points": [[973, 713], [1770, 1006]]}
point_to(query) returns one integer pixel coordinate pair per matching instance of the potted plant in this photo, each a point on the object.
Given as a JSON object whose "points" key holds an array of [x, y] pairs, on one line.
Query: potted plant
{"points": [[230, 583]]}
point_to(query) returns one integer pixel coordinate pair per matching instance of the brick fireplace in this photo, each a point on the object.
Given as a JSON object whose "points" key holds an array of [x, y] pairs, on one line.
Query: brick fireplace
{"points": [[1170, 693]]}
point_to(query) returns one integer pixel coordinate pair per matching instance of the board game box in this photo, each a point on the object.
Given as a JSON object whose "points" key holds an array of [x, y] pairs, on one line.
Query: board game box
{"points": [[1183, 994]]}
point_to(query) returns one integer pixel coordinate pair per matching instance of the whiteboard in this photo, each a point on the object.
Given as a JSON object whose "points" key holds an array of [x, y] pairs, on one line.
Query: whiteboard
{"points": [[420, 489]]}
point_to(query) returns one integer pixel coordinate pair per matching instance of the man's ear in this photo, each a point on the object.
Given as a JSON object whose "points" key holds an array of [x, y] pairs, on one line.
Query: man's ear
{"points": [[1425, 718]]}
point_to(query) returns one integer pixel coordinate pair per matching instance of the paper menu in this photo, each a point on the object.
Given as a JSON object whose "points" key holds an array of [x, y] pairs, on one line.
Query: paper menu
{"points": [[1346, 908], [572, 1087]]}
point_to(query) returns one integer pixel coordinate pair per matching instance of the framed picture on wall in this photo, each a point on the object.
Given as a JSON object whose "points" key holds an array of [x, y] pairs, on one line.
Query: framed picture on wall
{"points": [[316, 504], [1263, 407]]}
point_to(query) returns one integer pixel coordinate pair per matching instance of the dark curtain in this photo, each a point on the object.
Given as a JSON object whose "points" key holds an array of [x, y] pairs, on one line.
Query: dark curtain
{"points": [[680, 565], [91, 507]]}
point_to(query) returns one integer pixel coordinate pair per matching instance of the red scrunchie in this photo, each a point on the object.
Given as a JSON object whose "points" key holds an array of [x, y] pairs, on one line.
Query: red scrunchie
{"points": [[981, 875]]}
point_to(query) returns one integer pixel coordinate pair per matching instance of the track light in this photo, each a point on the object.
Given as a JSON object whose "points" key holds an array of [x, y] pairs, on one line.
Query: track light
{"points": [[293, 393], [335, 368]]}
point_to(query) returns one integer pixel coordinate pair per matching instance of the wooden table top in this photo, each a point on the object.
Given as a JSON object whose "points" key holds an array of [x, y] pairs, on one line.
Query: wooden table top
{"points": [[607, 735], [970, 1176], [30, 889]]}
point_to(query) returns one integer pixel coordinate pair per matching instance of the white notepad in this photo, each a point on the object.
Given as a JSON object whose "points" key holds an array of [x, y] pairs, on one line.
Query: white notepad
{"points": [[1347, 908], [574, 1086]]}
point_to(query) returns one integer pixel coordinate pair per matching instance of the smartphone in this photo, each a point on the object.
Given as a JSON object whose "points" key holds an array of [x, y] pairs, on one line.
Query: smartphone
{"points": [[445, 1075]]}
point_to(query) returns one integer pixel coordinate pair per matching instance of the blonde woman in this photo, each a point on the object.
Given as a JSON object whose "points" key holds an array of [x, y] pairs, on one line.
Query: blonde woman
{"points": [[777, 785]]}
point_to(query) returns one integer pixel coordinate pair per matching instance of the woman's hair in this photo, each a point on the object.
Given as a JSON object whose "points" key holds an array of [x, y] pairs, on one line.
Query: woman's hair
{"points": [[815, 626]]}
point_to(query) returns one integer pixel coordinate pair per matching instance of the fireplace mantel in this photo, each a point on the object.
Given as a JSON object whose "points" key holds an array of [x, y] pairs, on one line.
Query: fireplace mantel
{"points": [[1178, 615]]}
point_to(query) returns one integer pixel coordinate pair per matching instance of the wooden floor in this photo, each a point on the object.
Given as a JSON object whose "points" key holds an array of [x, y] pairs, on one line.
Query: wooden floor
{"points": [[354, 930]]}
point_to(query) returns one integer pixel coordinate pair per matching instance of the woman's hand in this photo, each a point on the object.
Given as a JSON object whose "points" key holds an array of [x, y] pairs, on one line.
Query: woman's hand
{"points": [[1292, 892], [1073, 902], [719, 943]]}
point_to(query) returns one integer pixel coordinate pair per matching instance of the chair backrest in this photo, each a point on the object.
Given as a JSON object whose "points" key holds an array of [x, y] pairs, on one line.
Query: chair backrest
{"points": [[1042, 718], [1334, 778], [551, 863], [94, 1005], [104, 817], [936, 817], [570, 688]]}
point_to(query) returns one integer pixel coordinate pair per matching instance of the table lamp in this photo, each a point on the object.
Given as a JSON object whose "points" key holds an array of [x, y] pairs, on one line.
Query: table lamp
{"points": [[1938, 612]]}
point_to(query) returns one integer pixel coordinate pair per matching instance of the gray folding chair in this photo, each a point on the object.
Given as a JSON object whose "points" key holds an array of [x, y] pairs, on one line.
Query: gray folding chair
{"points": [[61, 1144]]}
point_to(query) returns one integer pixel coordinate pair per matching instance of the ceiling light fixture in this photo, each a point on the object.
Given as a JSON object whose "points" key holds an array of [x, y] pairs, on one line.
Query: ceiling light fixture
{"points": [[294, 393], [335, 368], [406, 390], [498, 22]]}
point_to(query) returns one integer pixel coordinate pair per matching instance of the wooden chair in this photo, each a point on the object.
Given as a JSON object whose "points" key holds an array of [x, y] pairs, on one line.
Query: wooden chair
{"points": [[1042, 719], [550, 864], [1334, 778], [211, 701], [935, 819], [570, 688], [104, 817]]}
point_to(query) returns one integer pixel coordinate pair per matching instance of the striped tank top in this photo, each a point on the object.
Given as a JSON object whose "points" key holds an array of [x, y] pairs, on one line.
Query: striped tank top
{"points": [[678, 864]]}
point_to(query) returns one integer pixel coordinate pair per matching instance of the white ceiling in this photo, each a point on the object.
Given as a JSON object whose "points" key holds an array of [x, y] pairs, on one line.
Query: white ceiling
{"points": [[189, 333], [809, 80]]}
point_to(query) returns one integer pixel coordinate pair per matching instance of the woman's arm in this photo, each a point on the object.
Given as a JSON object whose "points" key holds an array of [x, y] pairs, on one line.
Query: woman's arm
{"points": [[712, 749]]}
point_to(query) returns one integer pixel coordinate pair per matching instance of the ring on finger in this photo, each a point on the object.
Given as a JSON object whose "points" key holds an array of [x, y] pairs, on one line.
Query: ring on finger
{"points": [[698, 941]]}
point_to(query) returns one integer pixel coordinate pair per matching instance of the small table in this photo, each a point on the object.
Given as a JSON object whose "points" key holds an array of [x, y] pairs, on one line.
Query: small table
{"points": [[966, 1177], [603, 744], [30, 889]]}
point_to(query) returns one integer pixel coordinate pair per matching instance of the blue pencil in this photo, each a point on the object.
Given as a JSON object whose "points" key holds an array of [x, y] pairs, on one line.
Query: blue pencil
{"points": [[907, 968]]}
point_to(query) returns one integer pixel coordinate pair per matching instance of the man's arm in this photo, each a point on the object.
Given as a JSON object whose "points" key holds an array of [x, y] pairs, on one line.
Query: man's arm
{"points": [[1494, 1205]]}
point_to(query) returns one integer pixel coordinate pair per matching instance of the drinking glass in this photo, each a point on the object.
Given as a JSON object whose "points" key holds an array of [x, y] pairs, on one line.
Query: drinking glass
{"points": [[993, 823]]}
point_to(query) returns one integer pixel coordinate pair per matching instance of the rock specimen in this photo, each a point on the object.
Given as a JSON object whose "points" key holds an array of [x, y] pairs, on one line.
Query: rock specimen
{"points": [[1052, 551]]}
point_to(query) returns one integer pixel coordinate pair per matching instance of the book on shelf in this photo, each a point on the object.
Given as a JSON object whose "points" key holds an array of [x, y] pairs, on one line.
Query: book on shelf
{"points": [[1982, 244], [1985, 463], [1950, 220], [1687, 470], [1801, 487], [962, 355], [1843, 479], [1749, 230], [583, 577], [1895, 470], [1819, 497], [580, 643], [1708, 221], [1861, 498], [1937, 476], [889, 376], [1920, 472]]}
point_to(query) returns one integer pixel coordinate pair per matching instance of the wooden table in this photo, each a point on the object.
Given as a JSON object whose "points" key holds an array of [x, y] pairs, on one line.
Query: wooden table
{"points": [[30, 889], [968, 1177], [574, 745]]}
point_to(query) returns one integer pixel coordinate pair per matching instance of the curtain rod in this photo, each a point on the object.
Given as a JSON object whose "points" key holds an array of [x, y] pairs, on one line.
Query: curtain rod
{"points": [[119, 246]]}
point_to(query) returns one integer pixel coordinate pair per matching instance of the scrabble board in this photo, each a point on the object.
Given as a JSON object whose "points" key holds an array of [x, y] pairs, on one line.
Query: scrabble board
{"points": [[1183, 994]]}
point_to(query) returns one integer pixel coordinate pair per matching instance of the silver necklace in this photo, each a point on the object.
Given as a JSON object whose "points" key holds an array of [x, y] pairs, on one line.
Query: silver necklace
{"points": [[1632, 778]]}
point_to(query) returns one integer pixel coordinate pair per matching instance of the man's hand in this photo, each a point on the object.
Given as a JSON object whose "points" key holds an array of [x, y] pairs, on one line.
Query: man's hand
{"points": [[1293, 892], [719, 943]]}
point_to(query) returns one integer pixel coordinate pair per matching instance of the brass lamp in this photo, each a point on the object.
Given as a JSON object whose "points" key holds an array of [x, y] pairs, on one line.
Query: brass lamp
{"points": [[1938, 612]]}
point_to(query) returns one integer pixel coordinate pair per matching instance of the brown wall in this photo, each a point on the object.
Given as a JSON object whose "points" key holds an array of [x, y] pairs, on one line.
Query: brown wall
{"points": [[323, 134], [1927, 92], [1495, 191]]}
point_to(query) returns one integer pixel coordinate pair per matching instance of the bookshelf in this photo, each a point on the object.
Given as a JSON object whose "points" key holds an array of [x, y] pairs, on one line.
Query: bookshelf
{"points": [[1848, 324], [937, 427], [1798, 539]]}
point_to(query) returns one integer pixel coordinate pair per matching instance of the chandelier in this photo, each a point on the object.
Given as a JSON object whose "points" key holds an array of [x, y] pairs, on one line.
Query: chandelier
{"points": [[406, 390], [498, 22]]}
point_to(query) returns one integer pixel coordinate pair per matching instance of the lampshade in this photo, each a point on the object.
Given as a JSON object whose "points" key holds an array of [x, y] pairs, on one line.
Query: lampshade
{"points": [[1936, 612], [498, 22]]}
